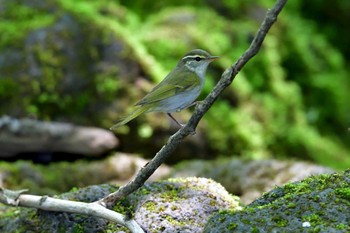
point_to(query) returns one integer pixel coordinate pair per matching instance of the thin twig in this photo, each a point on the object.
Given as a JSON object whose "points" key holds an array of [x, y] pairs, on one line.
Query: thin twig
{"points": [[226, 79]]}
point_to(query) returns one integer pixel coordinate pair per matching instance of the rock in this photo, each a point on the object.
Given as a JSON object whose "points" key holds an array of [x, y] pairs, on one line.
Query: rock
{"points": [[27, 135], [315, 204], [180, 205], [42, 179], [175, 205], [126, 166], [249, 178], [63, 66]]}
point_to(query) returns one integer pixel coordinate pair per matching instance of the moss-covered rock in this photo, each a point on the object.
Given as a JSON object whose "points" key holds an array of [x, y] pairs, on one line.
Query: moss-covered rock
{"points": [[315, 204], [178, 205], [62, 62], [89, 62], [249, 179], [54, 178]]}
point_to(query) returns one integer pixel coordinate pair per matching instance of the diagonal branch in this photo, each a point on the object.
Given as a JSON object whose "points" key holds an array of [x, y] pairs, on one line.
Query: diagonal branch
{"points": [[226, 79]]}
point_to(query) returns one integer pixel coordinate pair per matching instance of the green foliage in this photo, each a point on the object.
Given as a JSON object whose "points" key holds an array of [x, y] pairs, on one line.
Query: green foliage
{"points": [[331, 18], [107, 85], [237, 131], [27, 19], [7, 84], [321, 72], [180, 29]]}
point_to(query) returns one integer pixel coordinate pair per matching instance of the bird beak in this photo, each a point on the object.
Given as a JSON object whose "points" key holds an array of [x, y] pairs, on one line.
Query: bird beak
{"points": [[212, 58]]}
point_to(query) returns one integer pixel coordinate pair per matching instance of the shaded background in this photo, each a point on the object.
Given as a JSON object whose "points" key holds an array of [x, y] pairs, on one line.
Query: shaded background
{"points": [[88, 62]]}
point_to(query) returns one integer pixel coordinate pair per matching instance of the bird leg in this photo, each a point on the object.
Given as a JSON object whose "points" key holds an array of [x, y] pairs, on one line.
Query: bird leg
{"points": [[179, 124], [194, 103]]}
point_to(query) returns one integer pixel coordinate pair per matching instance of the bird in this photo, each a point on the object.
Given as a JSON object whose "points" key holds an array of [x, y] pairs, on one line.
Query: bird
{"points": [[177, 91]]}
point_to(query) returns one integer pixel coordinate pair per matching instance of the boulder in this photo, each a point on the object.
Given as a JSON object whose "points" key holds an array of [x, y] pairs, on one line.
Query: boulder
{"points": [[27, 135]]}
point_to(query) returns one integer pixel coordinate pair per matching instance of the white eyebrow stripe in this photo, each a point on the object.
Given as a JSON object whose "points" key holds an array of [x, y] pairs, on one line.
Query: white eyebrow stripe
{"points": [[193, 56]]}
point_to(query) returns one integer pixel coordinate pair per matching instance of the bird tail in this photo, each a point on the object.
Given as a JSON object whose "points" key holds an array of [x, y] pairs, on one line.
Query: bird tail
{"points": [[130, 117]]}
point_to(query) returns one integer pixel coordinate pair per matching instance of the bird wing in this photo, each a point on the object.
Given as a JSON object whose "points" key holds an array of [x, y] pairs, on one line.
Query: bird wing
{"points": [[172, 85]]}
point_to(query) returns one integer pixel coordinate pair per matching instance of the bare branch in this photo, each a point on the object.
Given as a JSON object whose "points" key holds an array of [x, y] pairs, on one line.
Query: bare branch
{"points": [[226, 79], [16, 198]]}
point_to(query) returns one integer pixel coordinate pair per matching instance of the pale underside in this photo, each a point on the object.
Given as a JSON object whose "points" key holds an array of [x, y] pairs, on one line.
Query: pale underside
{"points": [[173, 94]]}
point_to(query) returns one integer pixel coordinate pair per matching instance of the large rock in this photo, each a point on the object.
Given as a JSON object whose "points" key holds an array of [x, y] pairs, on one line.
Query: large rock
{"points": [[315, 204], [27, 135], [60, 65], [59, 177], [178, 205], [249, 178]]}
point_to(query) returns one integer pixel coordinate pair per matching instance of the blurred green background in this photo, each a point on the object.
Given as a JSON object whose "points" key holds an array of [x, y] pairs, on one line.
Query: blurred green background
{"points": [[87, 62]]}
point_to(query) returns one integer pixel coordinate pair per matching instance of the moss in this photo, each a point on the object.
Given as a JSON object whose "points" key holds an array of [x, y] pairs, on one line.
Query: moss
{"points": [[175, 222], [78, 229], [314, 219], [343, 193], [112, 228], [342, 226], [26, 19], [8, 84], [123, 206], [7, 212], [170, 194], [232, 226], [221, 219], [297, 187], [320, 200], [280, 222]]}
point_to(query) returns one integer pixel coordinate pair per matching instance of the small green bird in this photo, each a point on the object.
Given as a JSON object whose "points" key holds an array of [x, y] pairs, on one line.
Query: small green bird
{"points": [[178, 90]]}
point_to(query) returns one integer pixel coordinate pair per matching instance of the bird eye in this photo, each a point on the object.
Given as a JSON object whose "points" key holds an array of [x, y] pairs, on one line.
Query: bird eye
{"points": [[197, 59]]}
